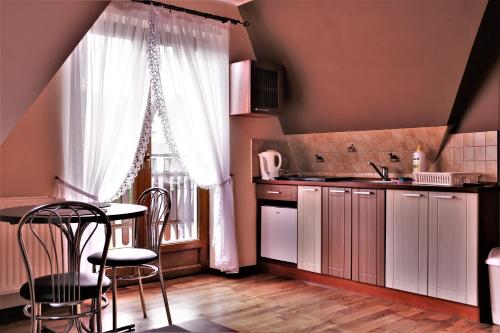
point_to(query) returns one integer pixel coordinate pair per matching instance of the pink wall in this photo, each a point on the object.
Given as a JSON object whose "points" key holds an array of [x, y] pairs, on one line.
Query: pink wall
{"points": [[484, 112], [361, 65], [243, 130], [30, 157], [36, 38]]}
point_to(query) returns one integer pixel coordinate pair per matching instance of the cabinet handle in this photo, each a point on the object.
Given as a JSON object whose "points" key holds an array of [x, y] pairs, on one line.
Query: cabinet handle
{"points": [[338, 191], [261, 109], [363, 193], [309, 189], [273, 192], [444, 196], [412, 195]]}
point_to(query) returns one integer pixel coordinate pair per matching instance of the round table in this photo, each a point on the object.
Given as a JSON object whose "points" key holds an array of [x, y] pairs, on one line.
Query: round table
{"points": [[114, 211]]}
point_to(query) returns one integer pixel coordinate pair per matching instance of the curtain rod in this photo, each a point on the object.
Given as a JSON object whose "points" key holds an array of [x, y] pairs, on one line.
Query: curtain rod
{"points": [[223, 19]]}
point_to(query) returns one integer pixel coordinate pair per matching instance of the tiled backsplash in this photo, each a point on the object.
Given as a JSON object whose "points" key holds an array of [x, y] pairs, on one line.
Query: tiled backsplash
{"points": [[470, 152]]}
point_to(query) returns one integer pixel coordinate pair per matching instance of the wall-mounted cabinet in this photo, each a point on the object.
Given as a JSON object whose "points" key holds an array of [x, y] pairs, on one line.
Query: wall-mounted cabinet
{"points": [[256, 88]]}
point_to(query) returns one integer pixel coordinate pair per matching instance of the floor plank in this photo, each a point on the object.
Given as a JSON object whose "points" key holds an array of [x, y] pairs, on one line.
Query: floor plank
{"points": [[267, 303]]}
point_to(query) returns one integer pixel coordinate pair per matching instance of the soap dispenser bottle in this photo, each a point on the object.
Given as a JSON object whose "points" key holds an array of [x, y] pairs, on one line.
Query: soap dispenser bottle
{"points": [[418, 160]]}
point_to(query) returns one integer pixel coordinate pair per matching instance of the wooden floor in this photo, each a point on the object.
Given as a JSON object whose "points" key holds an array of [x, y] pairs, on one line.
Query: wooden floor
{"points": [[266, 303]]}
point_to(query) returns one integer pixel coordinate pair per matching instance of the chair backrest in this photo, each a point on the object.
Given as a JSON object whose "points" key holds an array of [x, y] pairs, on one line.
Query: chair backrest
{"points": [[159, 202], [57, 234]]}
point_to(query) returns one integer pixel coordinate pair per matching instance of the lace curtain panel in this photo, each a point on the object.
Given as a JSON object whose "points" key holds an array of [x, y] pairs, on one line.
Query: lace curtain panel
{"points": [[105, 103], [191, 95]]}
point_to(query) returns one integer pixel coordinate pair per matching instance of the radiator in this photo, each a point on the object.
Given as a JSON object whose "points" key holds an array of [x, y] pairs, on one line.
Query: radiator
{"points": [[12, 272]]}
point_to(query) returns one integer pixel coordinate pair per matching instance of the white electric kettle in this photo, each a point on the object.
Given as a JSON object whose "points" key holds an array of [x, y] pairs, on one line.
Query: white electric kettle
{"points": [[268, 168]]}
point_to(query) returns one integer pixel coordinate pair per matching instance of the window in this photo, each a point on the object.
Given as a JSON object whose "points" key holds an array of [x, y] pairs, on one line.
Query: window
{"points": [[166, 173]]}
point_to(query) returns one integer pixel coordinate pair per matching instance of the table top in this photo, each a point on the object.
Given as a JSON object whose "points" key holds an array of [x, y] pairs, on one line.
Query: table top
{"points": [[114, 211]]}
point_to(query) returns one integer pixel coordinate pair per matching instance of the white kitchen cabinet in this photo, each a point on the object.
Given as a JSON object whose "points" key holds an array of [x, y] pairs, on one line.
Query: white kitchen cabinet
{"points": [[309, 228], [407, 222], [431, 244], [453, 224]]}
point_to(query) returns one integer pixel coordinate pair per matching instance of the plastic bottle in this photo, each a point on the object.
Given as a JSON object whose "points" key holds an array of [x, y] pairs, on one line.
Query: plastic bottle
{"points": [[418, 160]]}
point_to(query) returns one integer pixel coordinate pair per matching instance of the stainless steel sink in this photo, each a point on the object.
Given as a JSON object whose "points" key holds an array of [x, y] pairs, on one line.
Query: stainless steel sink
{"points": [[333, 179], [365, 180], [307, 178]]}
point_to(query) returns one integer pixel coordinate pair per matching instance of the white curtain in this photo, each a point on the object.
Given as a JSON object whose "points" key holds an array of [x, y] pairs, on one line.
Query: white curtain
{"points": [[105, 104], [106, 123], [192, 98]]}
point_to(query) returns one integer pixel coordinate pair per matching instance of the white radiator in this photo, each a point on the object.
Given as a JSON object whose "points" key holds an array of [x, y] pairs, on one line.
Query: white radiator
{"points": [[12, 272]]}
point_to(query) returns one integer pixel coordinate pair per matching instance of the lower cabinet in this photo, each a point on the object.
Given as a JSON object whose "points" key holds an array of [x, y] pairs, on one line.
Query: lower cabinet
{"points": [[368, 236], [336, 235], [407, 226], [432, 244], [417, 241], [309, 228], [453, 243]]}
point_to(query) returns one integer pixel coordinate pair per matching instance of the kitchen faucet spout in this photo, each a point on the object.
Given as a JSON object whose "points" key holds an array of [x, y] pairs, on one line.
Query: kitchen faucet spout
{"points": [[383, 171]]}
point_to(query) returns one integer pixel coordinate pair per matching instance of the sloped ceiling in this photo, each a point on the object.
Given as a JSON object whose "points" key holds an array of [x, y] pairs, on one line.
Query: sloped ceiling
{"points": [[356, 65], [36, 38]]}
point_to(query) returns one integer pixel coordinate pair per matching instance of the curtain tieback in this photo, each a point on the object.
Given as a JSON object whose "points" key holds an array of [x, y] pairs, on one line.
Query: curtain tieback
{"points": [[226, 181], [76, 189]]}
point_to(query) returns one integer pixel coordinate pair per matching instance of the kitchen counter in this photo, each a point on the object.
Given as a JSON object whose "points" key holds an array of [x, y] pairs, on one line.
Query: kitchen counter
{"points": [[346, 235], [369, 183]]}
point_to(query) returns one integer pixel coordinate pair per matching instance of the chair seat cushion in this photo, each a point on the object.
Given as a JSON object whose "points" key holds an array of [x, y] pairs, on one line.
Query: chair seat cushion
{"points": [[126, 256], [64, 284]]}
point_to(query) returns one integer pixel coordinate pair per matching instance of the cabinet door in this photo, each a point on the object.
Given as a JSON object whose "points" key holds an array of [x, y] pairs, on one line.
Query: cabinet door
{"points": [[336, 235], [368, 236], [406, 241], [453, 246], [309, 228]]}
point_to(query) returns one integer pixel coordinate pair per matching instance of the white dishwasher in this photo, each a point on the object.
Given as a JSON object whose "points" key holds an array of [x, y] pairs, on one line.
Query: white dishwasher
{"points": [[278, 233]]}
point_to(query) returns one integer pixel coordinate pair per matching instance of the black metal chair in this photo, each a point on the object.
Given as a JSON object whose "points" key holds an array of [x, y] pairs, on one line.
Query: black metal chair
{"points": [[51, 239], [141, 258]]}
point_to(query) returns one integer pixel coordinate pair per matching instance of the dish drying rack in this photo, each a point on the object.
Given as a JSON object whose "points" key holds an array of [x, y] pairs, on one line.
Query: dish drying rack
{"points": [[445, 178]]}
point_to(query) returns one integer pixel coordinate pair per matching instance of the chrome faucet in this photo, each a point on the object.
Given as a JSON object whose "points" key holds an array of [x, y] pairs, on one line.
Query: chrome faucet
{"points": [[383, 171]]}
